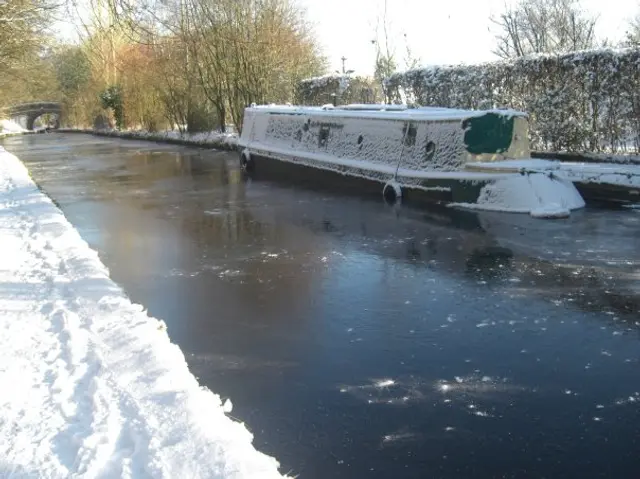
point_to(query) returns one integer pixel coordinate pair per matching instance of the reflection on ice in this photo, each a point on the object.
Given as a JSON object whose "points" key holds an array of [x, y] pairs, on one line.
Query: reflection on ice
{"points": [[384, 383], [444, 387], [469, 390], [400, 436], [230, 273], [476, 385], [482, 414], [633, 399], [388, 391]]}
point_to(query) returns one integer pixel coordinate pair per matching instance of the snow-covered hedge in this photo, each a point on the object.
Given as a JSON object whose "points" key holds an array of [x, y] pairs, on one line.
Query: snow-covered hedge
{"points": [[581, 101], [342, 89]]}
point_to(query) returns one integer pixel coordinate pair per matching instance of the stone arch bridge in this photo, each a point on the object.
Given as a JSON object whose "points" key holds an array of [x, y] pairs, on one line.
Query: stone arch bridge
{"points": [[30, 112]]}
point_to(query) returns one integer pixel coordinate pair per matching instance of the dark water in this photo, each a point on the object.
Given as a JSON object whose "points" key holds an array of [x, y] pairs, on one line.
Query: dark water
{"points": [[359, 340]]}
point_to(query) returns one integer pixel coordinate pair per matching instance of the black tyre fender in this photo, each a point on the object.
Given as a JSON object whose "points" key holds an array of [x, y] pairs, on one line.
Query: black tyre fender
{"points": [[246, 161], [392, 192]]}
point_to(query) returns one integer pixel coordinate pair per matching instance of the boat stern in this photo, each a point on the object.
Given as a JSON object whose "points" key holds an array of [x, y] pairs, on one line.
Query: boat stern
{"points": [[542, 195]]}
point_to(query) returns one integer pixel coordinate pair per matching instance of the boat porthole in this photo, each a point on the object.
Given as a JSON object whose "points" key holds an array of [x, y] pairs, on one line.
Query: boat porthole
{"points": [[391, 192], [429, 151], [323, 135]]}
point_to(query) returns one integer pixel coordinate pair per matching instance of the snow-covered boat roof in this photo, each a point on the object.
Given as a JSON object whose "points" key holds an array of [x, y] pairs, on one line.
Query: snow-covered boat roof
{"points": [[390, 112]]}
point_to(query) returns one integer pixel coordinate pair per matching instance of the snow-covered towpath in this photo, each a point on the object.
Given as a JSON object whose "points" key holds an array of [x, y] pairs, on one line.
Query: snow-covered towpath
{"points": [[91, 386]]}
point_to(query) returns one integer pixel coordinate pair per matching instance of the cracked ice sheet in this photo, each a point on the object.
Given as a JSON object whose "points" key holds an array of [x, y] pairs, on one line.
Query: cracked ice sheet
{"points": [[91, 385]]}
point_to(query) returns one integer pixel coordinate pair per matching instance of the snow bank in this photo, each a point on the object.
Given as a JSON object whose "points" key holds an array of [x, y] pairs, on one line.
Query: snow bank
{"points": [[203, 137], [538, 194], [8, 127], [212, 139], [92, 385]]}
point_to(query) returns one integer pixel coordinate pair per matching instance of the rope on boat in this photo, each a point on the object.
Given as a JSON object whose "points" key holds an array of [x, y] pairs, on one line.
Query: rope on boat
{"points": [[404, 139]]}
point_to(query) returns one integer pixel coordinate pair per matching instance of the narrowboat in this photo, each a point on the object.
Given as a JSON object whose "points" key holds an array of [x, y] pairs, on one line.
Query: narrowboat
{"points": [[409, 153]]}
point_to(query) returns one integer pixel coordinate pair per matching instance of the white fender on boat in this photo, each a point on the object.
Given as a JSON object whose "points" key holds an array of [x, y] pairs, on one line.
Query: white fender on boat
{"points": [[541, 195], [392, 191]]}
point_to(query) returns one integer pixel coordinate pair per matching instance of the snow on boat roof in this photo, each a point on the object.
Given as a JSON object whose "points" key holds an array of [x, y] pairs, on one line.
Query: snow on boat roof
{"points": [[390, 112]]}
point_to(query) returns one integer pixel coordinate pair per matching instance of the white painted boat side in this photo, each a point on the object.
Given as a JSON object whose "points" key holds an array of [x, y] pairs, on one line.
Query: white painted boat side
{"points": [[378, 140], [294, 156]]}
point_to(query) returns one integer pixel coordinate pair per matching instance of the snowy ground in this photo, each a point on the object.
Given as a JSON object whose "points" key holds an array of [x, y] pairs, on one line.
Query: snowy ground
{"points": [[92, 386], [8, 127], [204, 137], [214, 139]]}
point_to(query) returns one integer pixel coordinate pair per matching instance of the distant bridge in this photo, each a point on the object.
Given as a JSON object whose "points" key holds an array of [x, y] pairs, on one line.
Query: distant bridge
{"points": [[32, 111]]}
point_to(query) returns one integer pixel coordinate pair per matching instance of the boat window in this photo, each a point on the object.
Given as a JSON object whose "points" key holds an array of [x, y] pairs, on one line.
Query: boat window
{"points": [[360, 139], [489, 133], [429, 151], [409, 133], [323, 136]]}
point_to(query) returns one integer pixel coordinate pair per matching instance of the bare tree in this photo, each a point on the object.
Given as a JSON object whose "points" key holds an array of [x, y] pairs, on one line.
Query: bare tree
{"points": [[411, 62], [21, 25], [225, 54], [25, 66], [543, 26], [385, 53], [632, 35]]}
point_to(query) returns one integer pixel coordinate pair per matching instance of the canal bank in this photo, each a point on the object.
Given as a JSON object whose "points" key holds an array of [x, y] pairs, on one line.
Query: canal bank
{"points": [[97, 389], [359, 340], [217, 140]]}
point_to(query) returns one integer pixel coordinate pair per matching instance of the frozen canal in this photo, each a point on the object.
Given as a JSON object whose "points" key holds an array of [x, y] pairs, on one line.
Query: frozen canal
{"points": [[358, 340]]}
